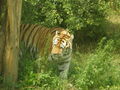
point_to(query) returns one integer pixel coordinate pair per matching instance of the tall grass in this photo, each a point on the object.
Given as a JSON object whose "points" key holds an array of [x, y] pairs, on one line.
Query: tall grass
{"points": [[99, 70]]}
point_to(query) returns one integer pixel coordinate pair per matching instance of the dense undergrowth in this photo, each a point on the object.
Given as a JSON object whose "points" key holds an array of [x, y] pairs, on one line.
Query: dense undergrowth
{"points": [[88, 71]]}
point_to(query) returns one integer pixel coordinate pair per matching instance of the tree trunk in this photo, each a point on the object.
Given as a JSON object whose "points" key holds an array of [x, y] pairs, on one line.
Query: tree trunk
{"points": [[2, 44], [2, 33], [12, 41]]}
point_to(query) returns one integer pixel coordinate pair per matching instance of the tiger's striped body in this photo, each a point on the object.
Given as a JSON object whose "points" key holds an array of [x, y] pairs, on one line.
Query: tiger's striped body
{"points": [[57, 45]]}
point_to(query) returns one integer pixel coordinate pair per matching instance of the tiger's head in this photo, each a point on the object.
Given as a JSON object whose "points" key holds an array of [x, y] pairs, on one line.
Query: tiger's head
{"points": [[61, 41]]}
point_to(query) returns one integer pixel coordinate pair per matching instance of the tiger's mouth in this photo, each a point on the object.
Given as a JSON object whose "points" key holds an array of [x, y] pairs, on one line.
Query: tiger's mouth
{"points": [[56, 50], [59, 57]]}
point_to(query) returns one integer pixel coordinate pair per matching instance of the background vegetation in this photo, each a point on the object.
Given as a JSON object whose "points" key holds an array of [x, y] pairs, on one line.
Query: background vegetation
{"points": [[96, 59]]}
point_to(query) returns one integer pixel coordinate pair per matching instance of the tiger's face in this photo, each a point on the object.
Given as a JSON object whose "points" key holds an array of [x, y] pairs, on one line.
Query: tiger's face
{"points": [[61, 40]]}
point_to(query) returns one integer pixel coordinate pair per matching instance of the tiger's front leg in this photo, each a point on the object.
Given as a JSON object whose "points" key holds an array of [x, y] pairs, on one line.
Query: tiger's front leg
{"points": [[64, 63], [63, 69], [63, 60]]}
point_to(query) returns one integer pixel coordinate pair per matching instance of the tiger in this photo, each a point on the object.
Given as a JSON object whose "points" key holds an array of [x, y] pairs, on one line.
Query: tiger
{"points": [[56, 41]]}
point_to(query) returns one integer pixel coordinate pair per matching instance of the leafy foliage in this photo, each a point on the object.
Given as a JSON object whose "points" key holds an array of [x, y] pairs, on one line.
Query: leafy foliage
{"points": [[115, 5], [71, 14]]}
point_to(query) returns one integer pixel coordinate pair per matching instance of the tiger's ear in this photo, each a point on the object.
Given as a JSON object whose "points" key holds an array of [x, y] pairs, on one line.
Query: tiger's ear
{"points": [[72, 36], [57, 33]]}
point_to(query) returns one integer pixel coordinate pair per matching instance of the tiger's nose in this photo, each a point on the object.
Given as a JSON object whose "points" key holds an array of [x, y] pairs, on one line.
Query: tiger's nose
{"points": [[55, 54]]}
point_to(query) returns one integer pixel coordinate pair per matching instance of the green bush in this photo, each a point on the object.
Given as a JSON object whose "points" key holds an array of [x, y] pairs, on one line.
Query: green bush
{"points": [[115, 5], [71, 14]]}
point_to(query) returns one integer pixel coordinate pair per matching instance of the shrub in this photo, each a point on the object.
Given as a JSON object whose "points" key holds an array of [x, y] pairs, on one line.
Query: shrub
{"points": [[71, 14]]}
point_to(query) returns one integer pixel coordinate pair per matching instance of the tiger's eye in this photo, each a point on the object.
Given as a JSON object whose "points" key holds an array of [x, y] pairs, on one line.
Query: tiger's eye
{"points": [[63, 41], [59, 33]]}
